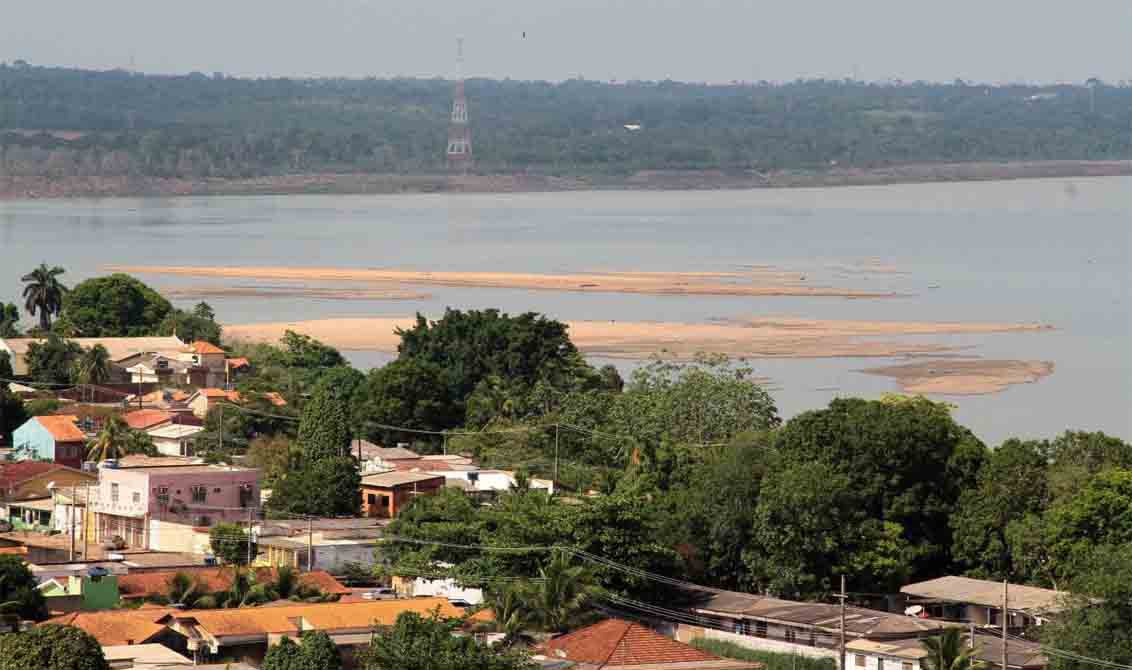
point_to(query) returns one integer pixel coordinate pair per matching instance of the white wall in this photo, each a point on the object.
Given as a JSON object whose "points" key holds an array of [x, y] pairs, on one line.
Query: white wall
{"points": [[331, 557], [179, 537], [445, 588], [688, 633], [873, 661]]}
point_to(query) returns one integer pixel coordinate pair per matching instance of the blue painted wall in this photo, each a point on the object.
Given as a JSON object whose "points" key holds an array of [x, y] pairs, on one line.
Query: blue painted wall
{"points": [[34, 437]]}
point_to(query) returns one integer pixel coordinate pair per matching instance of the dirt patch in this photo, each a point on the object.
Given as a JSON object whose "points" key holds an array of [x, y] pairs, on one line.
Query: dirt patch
{"points": [[750, 283], [963, 377]]}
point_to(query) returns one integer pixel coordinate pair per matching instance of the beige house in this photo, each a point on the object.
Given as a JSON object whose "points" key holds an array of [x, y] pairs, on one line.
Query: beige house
{"points": [[119, 348]]}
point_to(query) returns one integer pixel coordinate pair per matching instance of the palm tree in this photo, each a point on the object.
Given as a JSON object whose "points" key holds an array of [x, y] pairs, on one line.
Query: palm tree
{"points": [[93, 366], [44, 293], [111, 442], [947, 651], [182, 589], [510, 612], [561, 595]]}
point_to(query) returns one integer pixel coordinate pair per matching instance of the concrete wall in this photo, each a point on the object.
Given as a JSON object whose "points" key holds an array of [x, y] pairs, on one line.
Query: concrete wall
{"points": [[861, 660], [179, 537], [444, 588], [686, 633], [34, 439], [331, 557]]}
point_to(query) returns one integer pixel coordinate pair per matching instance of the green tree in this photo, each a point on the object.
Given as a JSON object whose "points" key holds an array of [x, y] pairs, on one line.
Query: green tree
{"points": [[18, 585], [948, 651], [203, 310], [327, 487], [9, 320], [282, 656], [562, 596], [409, 393], [111, 442], [93, 365], [182, 589], [317, 652], [324, 430], [51, 647], [508, 603], [229, 542], [303, 351], [1096, 621], [44, 293], [116, 305], [418, 643], [1099, 514], [190, 327], [52, 361]]}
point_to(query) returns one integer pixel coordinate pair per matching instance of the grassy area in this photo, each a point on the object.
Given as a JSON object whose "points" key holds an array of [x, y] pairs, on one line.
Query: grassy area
{"points": [[773, 660]]}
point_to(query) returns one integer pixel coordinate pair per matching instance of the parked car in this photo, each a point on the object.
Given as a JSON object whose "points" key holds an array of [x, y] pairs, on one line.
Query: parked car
{"points": [[383, 593]]}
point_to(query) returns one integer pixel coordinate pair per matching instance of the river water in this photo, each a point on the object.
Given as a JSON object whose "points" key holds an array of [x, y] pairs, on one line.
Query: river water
{"points": [[1049, 251]]}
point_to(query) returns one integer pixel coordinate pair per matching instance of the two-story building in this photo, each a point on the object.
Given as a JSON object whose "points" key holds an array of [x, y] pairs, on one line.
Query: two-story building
{"points": [[384, 495], [979, 601], [54, 438], [169, 508]]}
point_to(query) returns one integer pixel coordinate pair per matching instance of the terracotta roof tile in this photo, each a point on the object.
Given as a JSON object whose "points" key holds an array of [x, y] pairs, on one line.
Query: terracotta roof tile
{"points": [[275, 399], [13, 473], [615, 642], [202, 347], [62, 427], [147, 584], [238, 363], [115, 627], [147, 418]]}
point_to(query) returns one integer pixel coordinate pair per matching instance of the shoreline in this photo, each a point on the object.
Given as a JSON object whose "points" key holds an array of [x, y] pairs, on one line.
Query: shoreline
{"points": [[42, 187]]}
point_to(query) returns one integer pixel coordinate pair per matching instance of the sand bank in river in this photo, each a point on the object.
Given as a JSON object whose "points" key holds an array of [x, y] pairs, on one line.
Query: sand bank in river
{"points": [[756, 281], [754, 338], [963, 376], [313, 292]]}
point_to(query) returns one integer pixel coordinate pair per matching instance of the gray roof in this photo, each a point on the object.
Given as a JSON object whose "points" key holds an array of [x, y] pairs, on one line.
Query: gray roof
{"points": [[395, 478], [859, 622], [987, 593], [371, 450]]}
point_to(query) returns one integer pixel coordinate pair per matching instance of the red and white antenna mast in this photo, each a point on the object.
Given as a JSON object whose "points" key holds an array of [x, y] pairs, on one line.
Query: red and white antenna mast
{"points": [[459, 134]]}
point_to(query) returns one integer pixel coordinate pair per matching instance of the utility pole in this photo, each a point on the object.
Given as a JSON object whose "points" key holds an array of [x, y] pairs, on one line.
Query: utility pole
{"points": [[86, 519], [310, 544], [74, 503], [556, 454], [251, 527], [220, 434], [1005, 617], [842, 596]]}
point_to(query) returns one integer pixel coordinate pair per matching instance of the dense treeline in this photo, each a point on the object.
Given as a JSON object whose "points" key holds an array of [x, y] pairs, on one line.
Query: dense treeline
{"points": [[118, 123]]}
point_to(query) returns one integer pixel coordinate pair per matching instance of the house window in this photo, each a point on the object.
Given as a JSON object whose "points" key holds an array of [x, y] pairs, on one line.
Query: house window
{"points": [[137, 497], [163, 495], [880, 664], [743, 627], [246, 495], [760, 629], [859, 661], [791, 635], [200, 494], [114, 493], [905, 666]]}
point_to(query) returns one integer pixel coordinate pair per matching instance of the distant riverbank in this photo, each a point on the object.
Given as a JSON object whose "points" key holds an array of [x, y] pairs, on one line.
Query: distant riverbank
{"points": [[32, 187]]}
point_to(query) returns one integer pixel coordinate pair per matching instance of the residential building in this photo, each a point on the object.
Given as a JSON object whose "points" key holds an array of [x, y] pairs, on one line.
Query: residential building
{"points": [[614, 643], [145, 657], [375, 458], [143, 585], [979, 601], [208, 364], [331, 543], [118, 627], [440, 587], [119, 348], [170, 508], [488, 483], [96, 590], [808, 629], [206, 398], [175, 439], [386, 493], [908, 654], [26, 489], [157, 368], [147, 419], [55, 438], [245, 636]]}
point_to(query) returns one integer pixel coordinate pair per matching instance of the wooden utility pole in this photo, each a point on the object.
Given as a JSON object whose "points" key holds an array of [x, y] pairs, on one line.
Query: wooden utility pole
{"points": [[251, 526], [310, 544], [87, 516], [74, 504], [555, 455], [1005, 619], [842, 596]]}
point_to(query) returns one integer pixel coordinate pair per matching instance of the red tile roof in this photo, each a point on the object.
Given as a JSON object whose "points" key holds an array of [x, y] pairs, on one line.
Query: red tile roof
{"points": [[615, 642], [275, 399], [14, 473], [62, 427], [147, 584], [238, 363], [202, 347], [220, 394], [147, 418], [114, 627]]}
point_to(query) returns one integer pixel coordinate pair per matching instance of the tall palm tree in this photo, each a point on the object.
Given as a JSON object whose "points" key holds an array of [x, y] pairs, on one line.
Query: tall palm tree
{"points": [[44, 293], [948, 651], [182, 589], [111, 442], [93, 366], [510, 612], [561, 596]]}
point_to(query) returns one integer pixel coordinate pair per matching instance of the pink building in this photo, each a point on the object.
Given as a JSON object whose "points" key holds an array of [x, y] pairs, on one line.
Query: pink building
{"points": [[168, 508]]}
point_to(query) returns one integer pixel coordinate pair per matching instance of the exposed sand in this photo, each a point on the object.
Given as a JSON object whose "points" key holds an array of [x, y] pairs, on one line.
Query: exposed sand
{"points": [[754, 282], [963, 377], [314, 292], [754, 338]]}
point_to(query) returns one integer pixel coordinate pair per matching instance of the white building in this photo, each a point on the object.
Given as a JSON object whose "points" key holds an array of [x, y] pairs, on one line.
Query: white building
{"points": [[174, 439]]}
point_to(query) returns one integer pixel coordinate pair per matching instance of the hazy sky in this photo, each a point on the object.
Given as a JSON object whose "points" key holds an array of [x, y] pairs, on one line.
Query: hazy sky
{"points": [[692, 40]]}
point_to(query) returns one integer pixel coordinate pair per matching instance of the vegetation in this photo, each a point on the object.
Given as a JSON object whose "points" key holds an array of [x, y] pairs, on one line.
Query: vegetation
{"points": [[949, 651], [112, 441], [53, 360], [328, 487], [197, 325], [419, 643], [200, 126], [93, 365], [9, 320], [18, 585], [324, 431], [51, 647], [772, 660], [117, 305], [43, 294], [230, 543]]}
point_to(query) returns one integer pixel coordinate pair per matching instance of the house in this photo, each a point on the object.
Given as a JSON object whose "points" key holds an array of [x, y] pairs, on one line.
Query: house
{"points": [[331, 543], [386, 493], [908, 654], [55, 438], [487, 483], [209, 366], [807, 629], [156, 368], [118, 627], [174, 439], [206, 398], [149, 584], [246, 634], [979, 601], [26, 491], [375, 458], [96, 590], [144, 656], [119, 348], [614, 643], [443, 587], [146, 419], [170, 508]]}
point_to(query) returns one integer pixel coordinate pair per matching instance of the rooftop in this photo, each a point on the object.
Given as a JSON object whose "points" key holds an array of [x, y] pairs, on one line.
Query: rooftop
{"points": [[395, 478], [202, 347], [117, 627], [147, 584], [186, 469], [149, 654], [18, 472], [131, 461], [118, 347], [175, 431], [370, 450], [987, 593], [63, 427], [238, 363], [147, 418], [616, 643]]}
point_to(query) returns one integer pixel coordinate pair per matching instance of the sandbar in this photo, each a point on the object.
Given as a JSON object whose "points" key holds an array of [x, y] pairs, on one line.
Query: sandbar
{"points": [[313, 292], [754, 282], [963, 377]]}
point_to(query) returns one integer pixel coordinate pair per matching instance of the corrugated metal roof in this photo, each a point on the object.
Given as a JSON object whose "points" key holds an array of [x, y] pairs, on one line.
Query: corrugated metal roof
{"points": [[987, 593]]}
